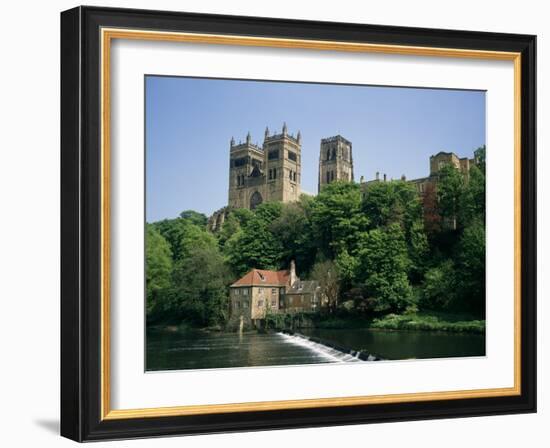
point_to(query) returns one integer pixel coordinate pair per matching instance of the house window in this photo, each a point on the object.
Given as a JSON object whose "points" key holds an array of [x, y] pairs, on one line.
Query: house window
{"points": [[261, 290], [274, 291], [260, 303], [245, 292], [245, 304], [237, 305], [236, 292], [273, 303]]}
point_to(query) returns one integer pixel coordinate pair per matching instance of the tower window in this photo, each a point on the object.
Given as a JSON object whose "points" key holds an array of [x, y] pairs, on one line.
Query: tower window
{"points": [[328, 177], [328, 154], [273, 155], [290, 174], [292, 156], [274, 173], [332, 175], [270, 174], [294, 176]]}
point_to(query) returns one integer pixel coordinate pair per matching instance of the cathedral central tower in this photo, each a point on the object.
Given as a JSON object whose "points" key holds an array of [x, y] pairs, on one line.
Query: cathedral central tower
{"points": [[335, 161]]}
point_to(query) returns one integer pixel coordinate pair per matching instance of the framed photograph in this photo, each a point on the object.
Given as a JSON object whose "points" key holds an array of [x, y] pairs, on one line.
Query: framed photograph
{"points": [[273, 223]]}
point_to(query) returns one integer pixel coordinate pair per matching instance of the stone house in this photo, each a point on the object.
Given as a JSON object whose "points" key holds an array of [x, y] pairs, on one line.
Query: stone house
{"points": [[260, 292]]}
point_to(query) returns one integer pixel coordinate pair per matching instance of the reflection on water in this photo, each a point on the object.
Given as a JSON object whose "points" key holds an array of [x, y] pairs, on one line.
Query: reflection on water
{"points": [[405, 344], [169, 350]]}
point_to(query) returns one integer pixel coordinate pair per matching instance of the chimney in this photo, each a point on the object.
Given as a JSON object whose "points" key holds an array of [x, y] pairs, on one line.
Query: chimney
{"points": [[292, 272], [385, 177]]}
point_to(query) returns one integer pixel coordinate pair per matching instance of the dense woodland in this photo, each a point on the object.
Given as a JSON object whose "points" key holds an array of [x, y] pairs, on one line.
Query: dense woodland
{"points": [[379, 251]]}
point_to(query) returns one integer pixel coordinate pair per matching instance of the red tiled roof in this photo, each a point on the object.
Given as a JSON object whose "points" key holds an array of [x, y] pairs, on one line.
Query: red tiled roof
{"points": [[259, 277]]}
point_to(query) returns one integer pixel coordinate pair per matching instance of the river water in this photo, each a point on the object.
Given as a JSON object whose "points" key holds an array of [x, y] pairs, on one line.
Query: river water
{"points": [[171, 350]]}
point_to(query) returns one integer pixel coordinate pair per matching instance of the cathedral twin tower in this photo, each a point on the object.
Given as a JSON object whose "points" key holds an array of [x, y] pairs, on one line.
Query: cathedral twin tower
{"points": [[272, 172]]}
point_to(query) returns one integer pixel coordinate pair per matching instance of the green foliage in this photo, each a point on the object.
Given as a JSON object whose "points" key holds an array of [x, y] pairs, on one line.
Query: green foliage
{"points": [[450, 194], [336, 218], [383, 267], [427, 322], [158, 267], [470, 268], [193, 217], [438, 287], [294, 231], [392, 202], [374, 249], [254, 245], [200, 286], [326, 273], [479, 158]]}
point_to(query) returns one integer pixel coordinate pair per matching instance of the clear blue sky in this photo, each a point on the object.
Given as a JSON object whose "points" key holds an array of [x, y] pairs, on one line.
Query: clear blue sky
{"points": [[394, 130]]}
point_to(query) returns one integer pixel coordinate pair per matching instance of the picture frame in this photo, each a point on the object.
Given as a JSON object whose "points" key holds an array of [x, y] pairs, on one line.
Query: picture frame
{"points": [[86, 37]]}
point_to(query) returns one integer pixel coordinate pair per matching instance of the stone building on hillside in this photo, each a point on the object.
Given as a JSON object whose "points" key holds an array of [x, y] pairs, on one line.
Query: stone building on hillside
{"points": [[260, 292]]}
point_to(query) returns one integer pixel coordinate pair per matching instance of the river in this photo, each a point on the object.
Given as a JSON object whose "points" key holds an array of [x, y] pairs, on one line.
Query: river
{"points": [[193, 349]]}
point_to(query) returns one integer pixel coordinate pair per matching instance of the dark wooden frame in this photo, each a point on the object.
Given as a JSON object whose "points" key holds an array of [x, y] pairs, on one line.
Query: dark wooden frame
{"points": [[81, 225]]}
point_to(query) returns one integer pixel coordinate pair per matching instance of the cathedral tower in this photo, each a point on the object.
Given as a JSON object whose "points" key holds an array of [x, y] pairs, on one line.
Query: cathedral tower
{"points": [[283, 165], [268, 173], [246, 161], [335, 161]]}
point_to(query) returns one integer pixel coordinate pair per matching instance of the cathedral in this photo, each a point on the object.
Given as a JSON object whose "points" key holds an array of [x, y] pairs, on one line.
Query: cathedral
{"points": [[272, 171]]}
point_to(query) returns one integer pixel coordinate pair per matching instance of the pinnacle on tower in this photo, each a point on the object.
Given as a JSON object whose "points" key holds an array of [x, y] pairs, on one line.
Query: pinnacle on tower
{"points": [[266, 132], [299, 137], [232, 141], [285, 130], [248, 138]]}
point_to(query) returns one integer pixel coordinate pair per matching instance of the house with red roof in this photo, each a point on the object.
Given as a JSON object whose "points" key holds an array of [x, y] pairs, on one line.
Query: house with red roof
{"points": [[262, 291]]}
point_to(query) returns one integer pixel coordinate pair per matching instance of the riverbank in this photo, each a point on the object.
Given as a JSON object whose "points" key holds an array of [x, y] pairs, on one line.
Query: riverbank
{"points": [[429, 322], [421, 321]]}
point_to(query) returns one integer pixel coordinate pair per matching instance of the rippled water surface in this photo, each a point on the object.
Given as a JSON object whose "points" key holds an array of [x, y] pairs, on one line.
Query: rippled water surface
{"points": [[170, 350]]}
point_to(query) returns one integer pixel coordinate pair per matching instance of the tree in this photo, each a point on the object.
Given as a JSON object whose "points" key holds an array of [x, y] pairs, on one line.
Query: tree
{"points": [[430, 206], [181, 233], [479, 158], [254, 245], [450, 192], [158, 268], [201, 286], [418, 249], [391, 202], [326, 274], [470, 268], [383, 267], [236, 219], [474, 197], [199, 219], [293, 229], [438, 288], [336, 218]]}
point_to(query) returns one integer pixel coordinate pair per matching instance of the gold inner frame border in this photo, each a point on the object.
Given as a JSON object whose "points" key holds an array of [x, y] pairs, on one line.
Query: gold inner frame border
{"points": [[107, 35]]}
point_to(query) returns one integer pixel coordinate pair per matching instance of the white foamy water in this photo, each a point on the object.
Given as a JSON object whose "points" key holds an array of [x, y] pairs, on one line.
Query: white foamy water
{"points": [[324, 351]]}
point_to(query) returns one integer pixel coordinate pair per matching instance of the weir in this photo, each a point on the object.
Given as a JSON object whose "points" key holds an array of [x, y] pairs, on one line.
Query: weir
{"points": [[331, 354]]}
